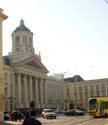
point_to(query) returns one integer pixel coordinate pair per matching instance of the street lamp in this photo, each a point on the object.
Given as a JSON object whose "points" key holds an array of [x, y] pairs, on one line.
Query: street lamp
{"points": [[11, 102]]}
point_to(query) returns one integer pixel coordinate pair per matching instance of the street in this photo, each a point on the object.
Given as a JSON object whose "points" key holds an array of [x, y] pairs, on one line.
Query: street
{"points": [[78, 120], [71, 120]]}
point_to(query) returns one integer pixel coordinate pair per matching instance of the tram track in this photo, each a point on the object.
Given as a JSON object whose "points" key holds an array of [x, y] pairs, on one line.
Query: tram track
{"points": [[79, 120], [70, 121], [87, 120]]}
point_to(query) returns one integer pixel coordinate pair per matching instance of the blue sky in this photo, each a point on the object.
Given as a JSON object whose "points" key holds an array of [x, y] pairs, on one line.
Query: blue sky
{"points": [[70, 34]]}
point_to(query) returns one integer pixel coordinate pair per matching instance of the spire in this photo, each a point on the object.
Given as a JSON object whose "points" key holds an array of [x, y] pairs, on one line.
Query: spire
{"points": [[40, 55], [22, 22]]}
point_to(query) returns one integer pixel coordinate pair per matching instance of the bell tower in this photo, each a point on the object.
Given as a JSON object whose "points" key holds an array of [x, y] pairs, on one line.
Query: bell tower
{"points": [[22, 43]]}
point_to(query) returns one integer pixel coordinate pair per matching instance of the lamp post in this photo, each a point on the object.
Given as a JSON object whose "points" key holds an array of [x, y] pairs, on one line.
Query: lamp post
{"points": [[11, 102]]}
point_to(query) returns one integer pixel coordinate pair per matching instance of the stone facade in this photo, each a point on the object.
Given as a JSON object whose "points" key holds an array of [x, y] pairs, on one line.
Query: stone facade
{"points": [[77, 93], [26, 77], [54, 93], [2, 17]]}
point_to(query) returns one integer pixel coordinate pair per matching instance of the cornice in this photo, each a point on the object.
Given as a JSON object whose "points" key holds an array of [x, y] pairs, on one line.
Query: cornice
{"points": [[2, 16]]}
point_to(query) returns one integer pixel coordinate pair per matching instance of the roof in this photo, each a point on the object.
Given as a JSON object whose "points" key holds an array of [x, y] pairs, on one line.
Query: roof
{"points": [[76, 78], [22, 27]]}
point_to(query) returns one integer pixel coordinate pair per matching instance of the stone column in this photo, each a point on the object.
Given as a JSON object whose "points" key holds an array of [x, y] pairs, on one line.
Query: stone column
{"points": [[14, 94], [2, 17], [31, 89], [46, 93], [19, 88], [41, 87], [37, 99], [25, 89]]}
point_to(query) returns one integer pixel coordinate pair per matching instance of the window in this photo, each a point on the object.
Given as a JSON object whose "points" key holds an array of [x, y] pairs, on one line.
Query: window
{"points": [[17, 49], [97, 90], [24, 39], [17, 39], [91, 91], [80, 92], [105, 105], [92, 104], [30, 40], [103, 89]]}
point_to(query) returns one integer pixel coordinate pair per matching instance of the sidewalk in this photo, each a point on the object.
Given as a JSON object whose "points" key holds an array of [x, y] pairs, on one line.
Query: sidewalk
{"points": [[13, 122]]}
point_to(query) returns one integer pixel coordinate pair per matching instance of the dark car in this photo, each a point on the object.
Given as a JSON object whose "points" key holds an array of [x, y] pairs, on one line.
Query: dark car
{"points": [[70, 112], [79, 112], [74, 112]]}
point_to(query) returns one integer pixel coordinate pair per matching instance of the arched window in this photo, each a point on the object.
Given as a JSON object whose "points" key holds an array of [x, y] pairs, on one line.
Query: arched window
{"points": [[25, 40], [30, 41], [17, 39]]}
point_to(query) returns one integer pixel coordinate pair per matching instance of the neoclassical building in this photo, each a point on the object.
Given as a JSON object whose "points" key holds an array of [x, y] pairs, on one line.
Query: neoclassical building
{"points": [[26, 76], [76, 94]]}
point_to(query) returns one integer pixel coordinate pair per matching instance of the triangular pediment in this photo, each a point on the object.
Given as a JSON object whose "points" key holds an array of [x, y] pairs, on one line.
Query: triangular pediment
{"points": [[34, 62]]}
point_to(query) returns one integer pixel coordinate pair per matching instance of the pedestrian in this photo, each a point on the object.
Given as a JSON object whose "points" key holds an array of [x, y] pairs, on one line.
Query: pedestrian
{"points": [[30, 120], [12, 116]]}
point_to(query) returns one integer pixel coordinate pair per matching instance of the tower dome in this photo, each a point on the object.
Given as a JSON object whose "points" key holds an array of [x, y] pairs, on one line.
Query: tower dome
{"points": [[22, 27], [22, 42]]}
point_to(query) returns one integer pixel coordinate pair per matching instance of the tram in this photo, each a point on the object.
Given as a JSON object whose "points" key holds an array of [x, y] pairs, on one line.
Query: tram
{"points": [[98, 107]]}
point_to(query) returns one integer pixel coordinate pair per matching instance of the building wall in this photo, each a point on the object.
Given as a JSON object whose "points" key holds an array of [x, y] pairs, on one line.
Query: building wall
{"points": [[2, 17], [44, 91], [9, 88], [55, 93], [79, 92]]}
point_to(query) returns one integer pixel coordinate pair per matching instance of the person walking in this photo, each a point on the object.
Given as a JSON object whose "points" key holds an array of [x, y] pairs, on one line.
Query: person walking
{"points": [[30, 120]]}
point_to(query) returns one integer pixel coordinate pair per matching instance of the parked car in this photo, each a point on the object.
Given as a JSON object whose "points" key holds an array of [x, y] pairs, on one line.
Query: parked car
{"points": [[73, 112], [48, 114], [59, 111], [79, 112], [69, 112]]}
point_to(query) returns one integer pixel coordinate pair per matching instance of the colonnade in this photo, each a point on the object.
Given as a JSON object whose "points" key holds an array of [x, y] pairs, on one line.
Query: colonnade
{"points": [[30, 88]]}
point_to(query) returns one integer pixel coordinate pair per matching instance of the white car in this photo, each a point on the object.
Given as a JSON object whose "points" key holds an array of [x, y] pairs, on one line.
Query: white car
{"points": [[48, 114]]}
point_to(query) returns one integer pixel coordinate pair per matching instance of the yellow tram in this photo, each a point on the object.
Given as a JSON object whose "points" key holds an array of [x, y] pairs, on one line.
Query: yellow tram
{"points": [[98, 107]]}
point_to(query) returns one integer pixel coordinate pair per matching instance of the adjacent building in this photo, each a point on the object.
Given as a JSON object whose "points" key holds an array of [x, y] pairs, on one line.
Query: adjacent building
{"points": [[26, 76], [77, 93], [2, 18]]}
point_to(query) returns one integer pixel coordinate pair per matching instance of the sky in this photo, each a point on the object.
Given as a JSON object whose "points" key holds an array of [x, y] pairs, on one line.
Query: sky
{"points": [[72, 35]]}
